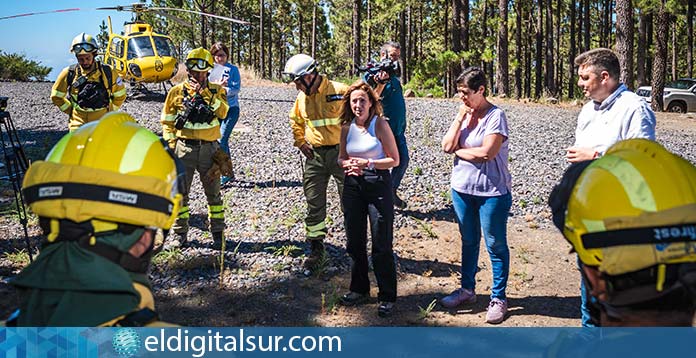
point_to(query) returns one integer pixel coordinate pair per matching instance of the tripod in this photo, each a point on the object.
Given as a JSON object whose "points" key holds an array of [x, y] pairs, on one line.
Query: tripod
{"points": [[16, 165]]}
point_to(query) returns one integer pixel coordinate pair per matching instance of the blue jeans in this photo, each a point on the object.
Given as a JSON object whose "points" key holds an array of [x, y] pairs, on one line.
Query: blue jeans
{"points": [[490, 214], [226, 127], [585, 300], [397, 173]]}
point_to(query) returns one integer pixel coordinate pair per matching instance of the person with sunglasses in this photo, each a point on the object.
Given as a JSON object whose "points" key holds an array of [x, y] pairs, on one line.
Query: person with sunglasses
{"points": [[316, 128], [86, 91], [190, 120]]}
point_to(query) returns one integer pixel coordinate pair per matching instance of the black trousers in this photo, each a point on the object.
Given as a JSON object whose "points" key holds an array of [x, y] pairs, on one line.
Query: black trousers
{"points": [[363, 196]]}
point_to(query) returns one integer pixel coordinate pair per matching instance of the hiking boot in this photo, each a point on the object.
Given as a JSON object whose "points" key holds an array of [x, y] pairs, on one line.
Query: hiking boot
{"points": [[398, 203], [315, 256], [217, 240], [354, 299], [458, 297], [497, 310], [385, 309]]}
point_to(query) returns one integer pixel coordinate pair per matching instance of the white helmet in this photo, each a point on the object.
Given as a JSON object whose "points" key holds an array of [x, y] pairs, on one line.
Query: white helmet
{"points": [[84, 43], [298, 66]]}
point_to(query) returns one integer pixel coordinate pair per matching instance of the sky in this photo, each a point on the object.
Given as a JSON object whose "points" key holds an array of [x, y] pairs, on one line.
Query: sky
{"points": [[46, 38]]}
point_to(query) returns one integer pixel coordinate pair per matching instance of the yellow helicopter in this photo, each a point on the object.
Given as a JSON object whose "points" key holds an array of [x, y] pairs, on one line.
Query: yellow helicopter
{"points": [[140, 55]]}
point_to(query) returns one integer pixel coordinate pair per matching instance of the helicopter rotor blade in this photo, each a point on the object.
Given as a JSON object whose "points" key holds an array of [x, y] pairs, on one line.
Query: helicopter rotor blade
{"points": [[178, 20], [40, 13], [201, 13]]}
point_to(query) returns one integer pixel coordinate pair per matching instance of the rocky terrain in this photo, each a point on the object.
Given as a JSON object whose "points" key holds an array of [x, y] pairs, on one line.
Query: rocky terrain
{"points": [[260, 282]]}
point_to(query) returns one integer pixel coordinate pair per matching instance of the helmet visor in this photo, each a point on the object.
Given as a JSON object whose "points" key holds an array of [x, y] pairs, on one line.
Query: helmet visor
{"points": [[83, 47], [291, 77], [197, 64]]}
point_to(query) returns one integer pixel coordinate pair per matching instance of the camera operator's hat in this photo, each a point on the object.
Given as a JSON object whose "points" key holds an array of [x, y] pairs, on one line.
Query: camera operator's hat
{"points": [[84, 43], [111, 170], [631, 209], [199, 59], [298, 66]]}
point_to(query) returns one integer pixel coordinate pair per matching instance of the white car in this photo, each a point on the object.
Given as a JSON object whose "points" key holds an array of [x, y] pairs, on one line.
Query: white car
{"points": [[679, 96]]}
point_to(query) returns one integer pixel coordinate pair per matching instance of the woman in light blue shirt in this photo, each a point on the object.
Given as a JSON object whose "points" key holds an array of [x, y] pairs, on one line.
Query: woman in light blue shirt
{"points": [[226, 75]]}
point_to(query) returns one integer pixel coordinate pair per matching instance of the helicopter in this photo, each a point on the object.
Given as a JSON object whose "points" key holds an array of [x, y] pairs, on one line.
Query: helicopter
{"points": [[139, 54]]}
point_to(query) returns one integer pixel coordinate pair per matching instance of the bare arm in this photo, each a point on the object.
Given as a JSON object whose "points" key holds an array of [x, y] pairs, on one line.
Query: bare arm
{"points": [[385, 135], [487, 151], [342, 153], [450, 142]]}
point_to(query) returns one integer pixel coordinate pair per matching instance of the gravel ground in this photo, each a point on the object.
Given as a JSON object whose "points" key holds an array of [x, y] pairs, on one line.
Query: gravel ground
{"points": [[265, 206]]}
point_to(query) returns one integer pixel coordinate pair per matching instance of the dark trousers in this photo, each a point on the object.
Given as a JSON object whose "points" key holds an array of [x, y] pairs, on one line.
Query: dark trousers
{"points": [[359, 192]]}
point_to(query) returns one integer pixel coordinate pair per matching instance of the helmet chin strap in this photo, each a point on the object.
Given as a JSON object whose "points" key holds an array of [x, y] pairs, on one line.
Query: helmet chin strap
{"points": [[308, 86]]}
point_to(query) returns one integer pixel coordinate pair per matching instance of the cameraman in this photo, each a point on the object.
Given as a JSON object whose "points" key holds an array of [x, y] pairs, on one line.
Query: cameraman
{"points": [[388, 87], [191, 125], [89, 89]]}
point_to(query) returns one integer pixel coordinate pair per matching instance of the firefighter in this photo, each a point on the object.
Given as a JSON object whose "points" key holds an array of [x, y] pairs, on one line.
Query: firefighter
{"points": [[99, 199], [315, 122], [89, 89], [191, 125], [631, 217]]}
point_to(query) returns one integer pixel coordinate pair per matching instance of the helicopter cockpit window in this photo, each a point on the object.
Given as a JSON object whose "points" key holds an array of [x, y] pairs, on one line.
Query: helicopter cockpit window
{"points": [[140, 47], [164, 46], [116, 48]]}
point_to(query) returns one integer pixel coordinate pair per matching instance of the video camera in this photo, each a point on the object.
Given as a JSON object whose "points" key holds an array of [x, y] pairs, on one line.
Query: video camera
{"points": [[386, 65], [195, 110], [3, 103]]}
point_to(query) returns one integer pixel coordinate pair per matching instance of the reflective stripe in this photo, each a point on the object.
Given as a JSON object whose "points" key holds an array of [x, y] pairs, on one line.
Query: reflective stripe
{"points": [[65, 106], [136, 150], [216, 211], [199, 126], [216, 104], [316, 230], [115, 107], [632, 180], [119, 93], [183, 212], [56, 93], [168, 117], [325, 122], [77, 106], [168, 135], [56, 154], [594, 225]]}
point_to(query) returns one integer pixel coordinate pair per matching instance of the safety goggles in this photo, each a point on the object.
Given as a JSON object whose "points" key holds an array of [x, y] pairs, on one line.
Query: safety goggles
{"points": [[84, 47], [197, 64], [290, 77]]}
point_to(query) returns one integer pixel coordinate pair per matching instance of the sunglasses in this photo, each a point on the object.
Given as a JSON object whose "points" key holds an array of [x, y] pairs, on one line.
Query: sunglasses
{"points": [[83, 47], [197, 64]]}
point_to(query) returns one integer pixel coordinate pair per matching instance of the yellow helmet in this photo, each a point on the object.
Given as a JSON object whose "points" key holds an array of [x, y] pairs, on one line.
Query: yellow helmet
{"points": [[632, 209], [84, 43], [199, 59], [111, 170]]}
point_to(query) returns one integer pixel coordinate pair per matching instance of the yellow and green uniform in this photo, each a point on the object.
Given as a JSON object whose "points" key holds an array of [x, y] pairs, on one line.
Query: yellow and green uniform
{"points": [[195, 144], [67, 102], [315, 119]]}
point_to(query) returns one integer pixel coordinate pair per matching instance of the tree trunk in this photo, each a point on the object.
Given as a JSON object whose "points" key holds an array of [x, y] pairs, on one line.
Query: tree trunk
{"points": [[557, 56], [675, 74], [402, 40], [368, 45], [539, 49], [649, 49], [571, 50], [314, 28], [642, 50], [624, 40], [356, 37], [502, 78], [550, 80], [300, 32], [464, 30], [269, 63], [660, 64], [586, 25], [518, 49], [262, 63], [690, 39], [455, 69], [232, 38]]}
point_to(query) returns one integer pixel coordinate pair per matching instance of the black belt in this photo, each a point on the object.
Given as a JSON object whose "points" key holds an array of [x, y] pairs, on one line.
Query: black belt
{"points": [[194, 141], [325, 147]]}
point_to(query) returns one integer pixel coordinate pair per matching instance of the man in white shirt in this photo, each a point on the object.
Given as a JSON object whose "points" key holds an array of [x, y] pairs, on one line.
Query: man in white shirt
{"points": [[613, 114]]}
